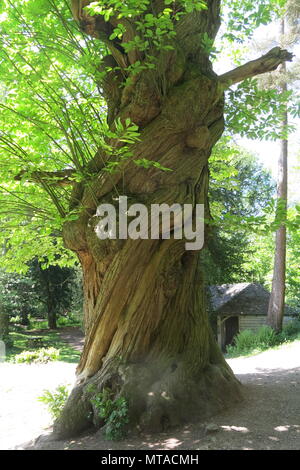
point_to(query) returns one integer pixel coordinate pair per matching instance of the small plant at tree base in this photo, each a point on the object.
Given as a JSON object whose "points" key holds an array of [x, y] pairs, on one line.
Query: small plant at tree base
{"points": [[55, 400], [113, 412]]}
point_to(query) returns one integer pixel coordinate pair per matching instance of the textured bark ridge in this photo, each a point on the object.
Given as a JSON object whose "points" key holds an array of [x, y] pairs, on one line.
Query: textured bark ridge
{"points": [[151, 342], [147, 332], [148, 337]]}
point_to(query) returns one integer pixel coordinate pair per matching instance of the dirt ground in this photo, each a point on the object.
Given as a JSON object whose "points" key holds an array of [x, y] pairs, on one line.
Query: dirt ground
{"points": [[73, 336], [268, 418], [22, 416]]}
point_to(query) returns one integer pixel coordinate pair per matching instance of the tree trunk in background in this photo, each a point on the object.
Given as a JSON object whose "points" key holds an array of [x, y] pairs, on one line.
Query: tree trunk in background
{"points": [[49, 294], [51, 315], [4, 327], [277, 299], [24, 318], [148, 336], [51, 303]]}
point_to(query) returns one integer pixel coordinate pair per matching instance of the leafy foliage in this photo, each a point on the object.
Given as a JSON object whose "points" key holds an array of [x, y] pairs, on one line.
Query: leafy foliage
{"points": [[250, 342], [293, 257], [22, 338], [55, 400], [19, 296], [114, 412], [39, 292], [244, 17], [257, 113], [240, 189], [42, 356], [58, 289], [241, 239], [51, 120], [53, 108]]}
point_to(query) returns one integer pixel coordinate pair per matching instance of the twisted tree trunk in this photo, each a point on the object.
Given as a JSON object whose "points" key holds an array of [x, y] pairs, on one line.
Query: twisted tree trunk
{"points": [[147, 332]]}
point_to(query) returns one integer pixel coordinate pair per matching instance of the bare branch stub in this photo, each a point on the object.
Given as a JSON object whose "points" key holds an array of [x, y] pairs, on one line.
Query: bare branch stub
{"points": [[264, 64]]}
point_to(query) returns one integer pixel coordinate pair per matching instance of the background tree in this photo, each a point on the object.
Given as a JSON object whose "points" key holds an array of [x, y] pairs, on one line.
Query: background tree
{"points": [[277, 299], [19, 296], [54, 289], [282, 79], [147, 331], [4, 329], [239, 187], [293, 257], [40, 293]]}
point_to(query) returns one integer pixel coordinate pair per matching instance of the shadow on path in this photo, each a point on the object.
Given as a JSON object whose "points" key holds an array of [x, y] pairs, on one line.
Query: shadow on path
{"points": [[268, 418]]}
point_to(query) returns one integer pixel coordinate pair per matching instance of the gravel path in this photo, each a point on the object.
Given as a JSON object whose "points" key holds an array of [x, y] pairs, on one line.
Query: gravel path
{"points": [[268, 418], [22, 416]]}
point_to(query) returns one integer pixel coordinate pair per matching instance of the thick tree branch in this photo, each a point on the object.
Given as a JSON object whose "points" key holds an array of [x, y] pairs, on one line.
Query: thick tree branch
{"points": [[53, 178], [266, 63]]}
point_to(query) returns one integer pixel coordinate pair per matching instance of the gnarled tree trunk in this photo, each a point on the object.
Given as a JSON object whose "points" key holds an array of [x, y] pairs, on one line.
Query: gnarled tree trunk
{"points": [[147, 332]]}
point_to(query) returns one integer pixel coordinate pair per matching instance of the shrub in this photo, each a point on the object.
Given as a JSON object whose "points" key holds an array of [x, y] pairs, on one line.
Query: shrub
{"points": [[42, 355], [291, 329], [243, 342], [16, 320], [71, 319], [249, 341], [55, 401], [37, 324], [266, 338]]}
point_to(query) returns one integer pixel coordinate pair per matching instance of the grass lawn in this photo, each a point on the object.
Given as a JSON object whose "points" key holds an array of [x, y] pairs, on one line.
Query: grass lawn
{"points": [[50, 338]]}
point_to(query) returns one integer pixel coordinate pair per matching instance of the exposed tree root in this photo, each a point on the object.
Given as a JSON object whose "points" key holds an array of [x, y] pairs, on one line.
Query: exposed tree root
{"points": [[159, 398]]}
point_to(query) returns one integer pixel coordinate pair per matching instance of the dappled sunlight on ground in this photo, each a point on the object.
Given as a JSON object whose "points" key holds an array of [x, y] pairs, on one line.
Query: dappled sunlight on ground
{"points": [[235, 428]]}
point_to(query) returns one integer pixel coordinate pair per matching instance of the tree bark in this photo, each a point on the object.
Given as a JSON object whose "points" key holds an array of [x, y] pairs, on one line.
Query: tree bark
{"points": [[277, 299], [148, 336], [51, 315], [147, 332], [4, 326], [49, 301]]}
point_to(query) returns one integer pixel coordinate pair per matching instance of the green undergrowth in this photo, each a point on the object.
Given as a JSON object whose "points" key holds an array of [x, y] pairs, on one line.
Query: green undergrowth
{"points": [[250, 342], [55, 400], [52, 349], [114, 413], [70, 319], [38, 356]]}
